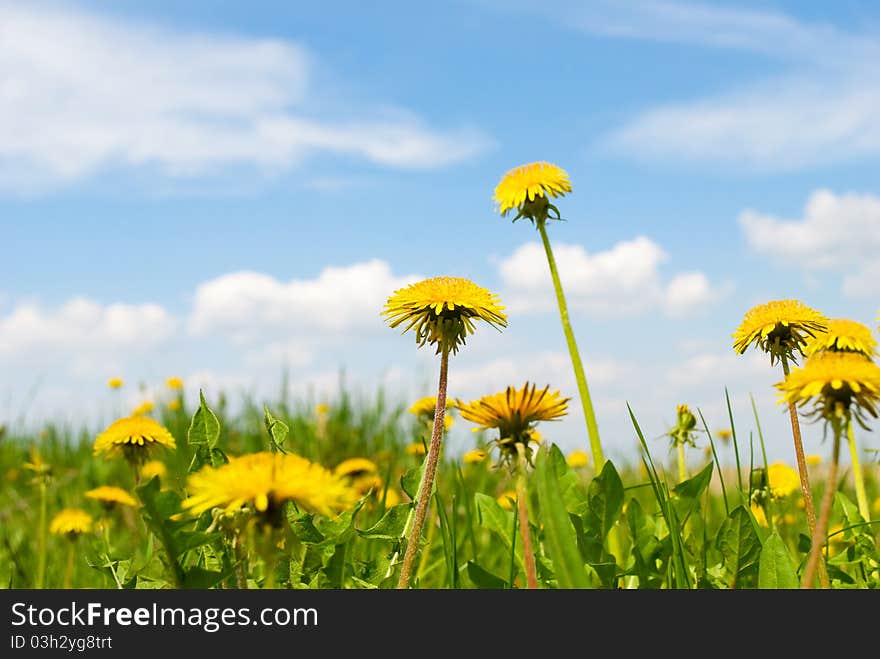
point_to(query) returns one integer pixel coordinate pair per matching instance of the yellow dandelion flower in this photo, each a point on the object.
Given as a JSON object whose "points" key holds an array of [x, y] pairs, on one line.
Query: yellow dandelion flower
{"points": [[144, 408], [115, 383], [474, 456], [322, 409], [71, 522], [513, 411], [174, 405], [760, 517], [110, 495], [839, 385], [355, 467], [528, 187], [266, 481], [153, 468], [442, 310], [392, 497], [782, 479], [134, 437], [174, 383], [844, 335], [577, 459], [814, 460], [780, 328], [507, 499]]}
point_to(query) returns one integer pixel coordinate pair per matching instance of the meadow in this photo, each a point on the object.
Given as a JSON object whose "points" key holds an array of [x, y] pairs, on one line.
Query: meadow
{"points": [[360, 493]]}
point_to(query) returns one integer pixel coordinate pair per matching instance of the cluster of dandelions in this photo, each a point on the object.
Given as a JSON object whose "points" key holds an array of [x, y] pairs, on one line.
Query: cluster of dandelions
{"points": [[838, 384]]}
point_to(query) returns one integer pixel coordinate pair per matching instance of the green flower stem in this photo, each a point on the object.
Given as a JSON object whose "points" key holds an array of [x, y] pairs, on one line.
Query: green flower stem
{"points": [[682, 465], [523, 511], [427, 484], [583, 390], [809, 508], [858, 477], [68, 568], [41, 537], [819, 536]]}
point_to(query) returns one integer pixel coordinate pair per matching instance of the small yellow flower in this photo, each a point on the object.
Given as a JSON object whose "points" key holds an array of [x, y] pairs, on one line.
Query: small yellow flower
{"points": [[528, 187], [154, 468], [115, 383], [416, 448], [442, 310], [780, 328], [424, 409], [134, 437], [71, 522], [474, 456], [839, 385], [110, 495], [174, 405], [724, 435], [174, 383], [144, 408], [782, 479], [813, 460], [362, 474], [392, 497], [322, 409], [577, 459], [507, 499], [266, 481], [844, 335]]}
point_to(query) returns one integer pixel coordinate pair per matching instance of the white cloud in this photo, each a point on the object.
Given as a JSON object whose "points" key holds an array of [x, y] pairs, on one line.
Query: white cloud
{"points": [[83, 325], [246, 305], [82, 93], [623, 280], [837, 232], [824, 109]]}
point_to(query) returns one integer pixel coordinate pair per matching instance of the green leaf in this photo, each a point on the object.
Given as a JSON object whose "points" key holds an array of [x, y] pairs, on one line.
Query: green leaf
{"points": [[776, 568], [559, 533], [493, 517], [390, 527], [484, 579], [277, 430], [200, 578], [739, 545], [694, 487], [304, 529], [569, 484], [204, 429], [605, 500], [410, 480], [339, 529], [158, 507]]}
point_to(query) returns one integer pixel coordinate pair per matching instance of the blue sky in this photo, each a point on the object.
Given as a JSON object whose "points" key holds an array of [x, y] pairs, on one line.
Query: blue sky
{"points": [[220, 190]]}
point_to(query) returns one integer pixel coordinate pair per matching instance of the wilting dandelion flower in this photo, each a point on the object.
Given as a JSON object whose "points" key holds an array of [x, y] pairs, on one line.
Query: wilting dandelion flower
{"points": [[837, 387], [115, 383], [441, 311], [682, 433], [474, 456], [110, 496], [174, 383], [577, 459], [362, 474], [780, 328], [265, 481], [153, 468], [844, 335], [133, 437], [71, 522]]}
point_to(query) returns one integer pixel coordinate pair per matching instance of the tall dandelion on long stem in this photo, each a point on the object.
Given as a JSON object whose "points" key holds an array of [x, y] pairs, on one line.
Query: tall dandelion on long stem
{"points": [[845, 335], [527, 190], [841, 388], [781, 329], [514, 413], [441, 312]]}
